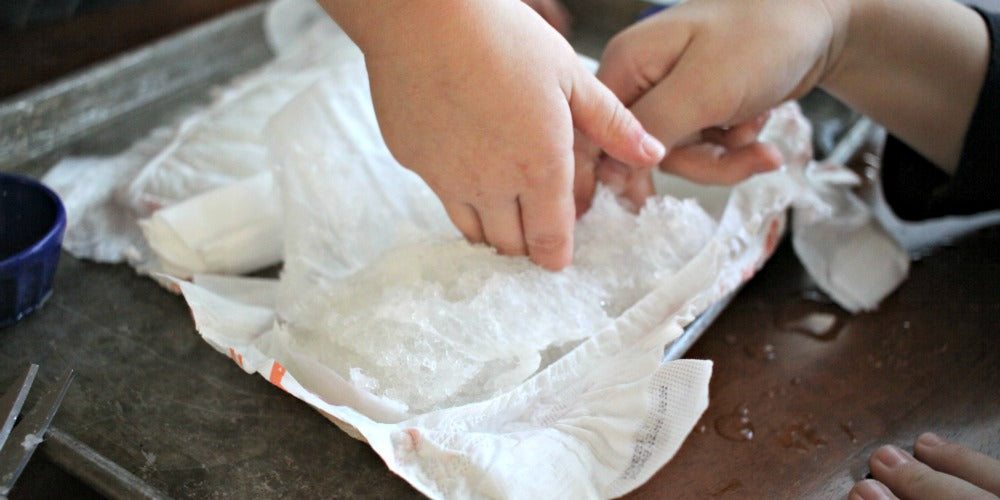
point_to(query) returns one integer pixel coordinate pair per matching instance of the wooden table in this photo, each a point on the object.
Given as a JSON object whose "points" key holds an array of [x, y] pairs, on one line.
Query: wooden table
{"points": [[820, 389]]}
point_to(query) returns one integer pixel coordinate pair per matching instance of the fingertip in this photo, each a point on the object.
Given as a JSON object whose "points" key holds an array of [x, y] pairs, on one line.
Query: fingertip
{"points": [[770, 157], [929, 440], [870, 489], [639, 189], [548, 219], [604, 120], [889, 457], [652, 148]]}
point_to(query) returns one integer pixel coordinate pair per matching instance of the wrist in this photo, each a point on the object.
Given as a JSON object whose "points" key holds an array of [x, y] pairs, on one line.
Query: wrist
{"points": [[848, 38], [390, 26]]}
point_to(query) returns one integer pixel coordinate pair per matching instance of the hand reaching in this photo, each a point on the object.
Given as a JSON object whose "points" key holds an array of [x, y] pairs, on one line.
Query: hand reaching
{"points": [[939, 470], [701, 76], [481, 100], [696, 75]]}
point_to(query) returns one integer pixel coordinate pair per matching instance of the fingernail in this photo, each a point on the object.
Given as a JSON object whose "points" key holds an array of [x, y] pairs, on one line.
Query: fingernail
{"points": [[930, 440], [652, 148], [891, 456], [870, 489]]}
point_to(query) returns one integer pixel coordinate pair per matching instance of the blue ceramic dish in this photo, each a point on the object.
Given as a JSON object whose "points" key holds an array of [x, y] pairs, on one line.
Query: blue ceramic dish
{"points": [[32, 223]]}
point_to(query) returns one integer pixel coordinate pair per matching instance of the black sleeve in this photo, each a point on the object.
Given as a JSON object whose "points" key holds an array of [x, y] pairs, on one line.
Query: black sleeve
{"points": [[916, 189]]}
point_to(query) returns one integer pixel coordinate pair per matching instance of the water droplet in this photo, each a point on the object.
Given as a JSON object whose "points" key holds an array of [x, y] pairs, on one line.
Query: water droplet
{"points": [[802, 437], [765, 352], [906, 325], [818, 325], [701, 428], [816, 295], [735, 426], [769, 353]]}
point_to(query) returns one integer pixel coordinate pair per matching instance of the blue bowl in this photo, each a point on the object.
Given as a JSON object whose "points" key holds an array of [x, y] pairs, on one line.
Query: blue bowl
{"points": [[32, 223]]}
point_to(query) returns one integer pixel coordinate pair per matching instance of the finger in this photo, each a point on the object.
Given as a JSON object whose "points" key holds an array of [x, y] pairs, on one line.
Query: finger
{"points": [[687, 100], [585, 157], [502, 227], [640, 188], [466, 220], [547, 216], [624, 68], [950, 458], [909, 478], [603, 119], [870, 489], [708, 163], [635, 184], [738, 135]]}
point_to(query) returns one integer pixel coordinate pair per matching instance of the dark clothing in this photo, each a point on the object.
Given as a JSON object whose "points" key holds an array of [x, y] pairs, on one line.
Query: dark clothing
{"points": [[916, 189]]}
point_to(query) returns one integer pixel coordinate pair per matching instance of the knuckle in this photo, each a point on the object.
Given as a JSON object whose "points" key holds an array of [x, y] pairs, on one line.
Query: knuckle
{"points": [[619, 122], [547, 243], [547, 171]]}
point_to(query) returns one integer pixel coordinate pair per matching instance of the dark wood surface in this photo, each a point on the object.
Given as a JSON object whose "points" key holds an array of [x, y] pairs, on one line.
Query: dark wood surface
{"points": [[821, 388], [40, 52], [801, 391]]}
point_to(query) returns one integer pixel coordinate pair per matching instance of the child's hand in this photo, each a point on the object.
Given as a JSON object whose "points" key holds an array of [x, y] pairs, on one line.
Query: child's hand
{"points": [[700, 76], [481, 100], [940, 470]]}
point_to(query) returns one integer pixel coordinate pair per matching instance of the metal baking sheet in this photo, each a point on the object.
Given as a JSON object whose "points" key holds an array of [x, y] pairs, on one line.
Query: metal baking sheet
{"points": [[102, 110]]}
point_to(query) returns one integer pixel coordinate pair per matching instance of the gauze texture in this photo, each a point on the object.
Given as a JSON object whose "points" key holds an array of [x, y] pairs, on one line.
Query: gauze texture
{"points": [[205, 149]]}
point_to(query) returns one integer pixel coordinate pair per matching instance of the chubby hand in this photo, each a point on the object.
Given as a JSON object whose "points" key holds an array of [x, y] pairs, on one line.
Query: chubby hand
{"points": [[481, 100], [938, 469], [700, 76]]}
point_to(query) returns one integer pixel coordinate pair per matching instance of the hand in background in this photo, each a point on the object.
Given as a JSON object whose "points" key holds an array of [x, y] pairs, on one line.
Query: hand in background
{"points": [[701, 75], [697, 74], [481, 99], [940, 470]]}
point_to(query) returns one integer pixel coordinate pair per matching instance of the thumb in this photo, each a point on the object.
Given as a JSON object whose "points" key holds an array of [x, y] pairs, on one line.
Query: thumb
{"points": [[603, 119]]}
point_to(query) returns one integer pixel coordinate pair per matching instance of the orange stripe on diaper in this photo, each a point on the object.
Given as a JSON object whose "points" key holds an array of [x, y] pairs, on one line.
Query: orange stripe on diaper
{"points": [[771, 240], [277, 373], [238, 358]]}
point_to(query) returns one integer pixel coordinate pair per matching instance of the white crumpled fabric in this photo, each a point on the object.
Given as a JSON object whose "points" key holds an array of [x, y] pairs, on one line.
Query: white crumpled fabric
{"points": [[118, 214], [466, 371]]}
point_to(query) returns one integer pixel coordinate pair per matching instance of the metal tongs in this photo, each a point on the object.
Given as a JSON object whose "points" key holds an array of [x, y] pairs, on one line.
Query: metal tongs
{"points": [[30, 430]]}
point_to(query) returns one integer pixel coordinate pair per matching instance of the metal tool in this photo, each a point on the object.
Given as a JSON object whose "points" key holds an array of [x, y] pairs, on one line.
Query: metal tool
{"points": [[30, 431]]}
